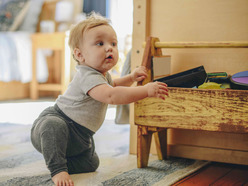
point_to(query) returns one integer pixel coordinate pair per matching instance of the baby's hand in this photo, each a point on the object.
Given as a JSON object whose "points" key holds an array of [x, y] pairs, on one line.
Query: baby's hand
{"points": [[139, 74], [157, 89]]}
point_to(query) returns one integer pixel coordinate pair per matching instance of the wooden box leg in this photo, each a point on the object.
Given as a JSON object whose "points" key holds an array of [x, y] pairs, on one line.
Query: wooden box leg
{"points": [[143, 146], [161, 143], [34, 94]]}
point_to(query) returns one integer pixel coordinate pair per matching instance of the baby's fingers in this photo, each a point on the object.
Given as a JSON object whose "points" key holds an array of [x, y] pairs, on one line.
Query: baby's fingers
{"points": [[143, 68], [161, 96], [140, 78], [163, 92], [163, 89], [161, 83]]}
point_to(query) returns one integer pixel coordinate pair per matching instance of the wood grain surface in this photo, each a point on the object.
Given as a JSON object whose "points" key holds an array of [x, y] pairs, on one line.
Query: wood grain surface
{"points": [[210, 110]]}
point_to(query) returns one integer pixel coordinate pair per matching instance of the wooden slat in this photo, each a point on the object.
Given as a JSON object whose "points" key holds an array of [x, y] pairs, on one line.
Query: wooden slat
{"points": [[150, 51], [14, 90], [210, 154], [55, 41], [47, 13], [161, 143], [143, 147], [217, 44], [141, 30], [146, 62], [210, 110], [223, 140]]}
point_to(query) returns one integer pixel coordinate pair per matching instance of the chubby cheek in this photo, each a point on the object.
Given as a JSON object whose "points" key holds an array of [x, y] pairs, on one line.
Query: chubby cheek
{"points": [[116, 56], [116, 60]]}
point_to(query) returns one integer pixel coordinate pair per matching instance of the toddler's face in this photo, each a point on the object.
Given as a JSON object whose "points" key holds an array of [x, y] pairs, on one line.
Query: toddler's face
{"points": [[99, 48]]}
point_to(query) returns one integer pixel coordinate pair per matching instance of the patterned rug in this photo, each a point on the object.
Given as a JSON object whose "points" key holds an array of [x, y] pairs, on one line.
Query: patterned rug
{"points": [[165, 172], [21, 164]]}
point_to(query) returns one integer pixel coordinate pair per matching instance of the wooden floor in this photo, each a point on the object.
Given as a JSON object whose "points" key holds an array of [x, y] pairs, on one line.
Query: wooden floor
{"points": [[218, 174]]}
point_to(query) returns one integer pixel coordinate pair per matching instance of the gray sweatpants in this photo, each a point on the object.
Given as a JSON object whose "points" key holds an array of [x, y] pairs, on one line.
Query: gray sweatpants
{"points": [[65, 145]]}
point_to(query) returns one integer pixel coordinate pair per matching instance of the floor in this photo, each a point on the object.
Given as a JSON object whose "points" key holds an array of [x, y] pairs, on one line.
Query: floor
{"points": [[112, 141], [217, 174], [213, 174]]}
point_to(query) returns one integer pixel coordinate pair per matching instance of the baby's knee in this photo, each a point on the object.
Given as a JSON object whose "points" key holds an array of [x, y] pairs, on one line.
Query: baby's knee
{"points": [[45, 129], [53, 124], [95, 162]]}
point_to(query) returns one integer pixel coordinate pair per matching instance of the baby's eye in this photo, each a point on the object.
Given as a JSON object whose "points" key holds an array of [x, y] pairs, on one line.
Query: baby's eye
{"points": [[99, 43], [114, 44]]}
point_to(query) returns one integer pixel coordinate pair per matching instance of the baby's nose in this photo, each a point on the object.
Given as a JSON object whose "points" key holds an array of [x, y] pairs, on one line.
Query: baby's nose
{"points": [[109, 48]]}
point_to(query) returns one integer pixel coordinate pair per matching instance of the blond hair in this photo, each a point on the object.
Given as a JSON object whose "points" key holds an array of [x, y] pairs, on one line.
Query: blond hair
{"points": [[77, 31]]}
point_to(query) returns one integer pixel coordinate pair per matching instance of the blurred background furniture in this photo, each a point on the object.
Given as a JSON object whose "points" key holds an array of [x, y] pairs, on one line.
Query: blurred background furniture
{"points": [[19, 20], [56, 42]]}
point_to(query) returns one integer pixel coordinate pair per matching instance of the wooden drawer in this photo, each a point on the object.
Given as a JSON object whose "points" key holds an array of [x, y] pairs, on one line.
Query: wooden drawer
{"points": [[196, 109]]}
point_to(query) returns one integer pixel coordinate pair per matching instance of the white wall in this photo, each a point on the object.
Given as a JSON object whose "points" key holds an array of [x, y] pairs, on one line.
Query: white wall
{"points": [[121, 16]]}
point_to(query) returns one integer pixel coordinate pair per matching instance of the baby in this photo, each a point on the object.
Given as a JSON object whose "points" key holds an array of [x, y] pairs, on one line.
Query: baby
{"points": [[64, 132]]}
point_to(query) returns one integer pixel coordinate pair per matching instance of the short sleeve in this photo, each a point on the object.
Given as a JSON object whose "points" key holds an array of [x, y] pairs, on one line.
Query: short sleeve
{"points": [[92, 79]]}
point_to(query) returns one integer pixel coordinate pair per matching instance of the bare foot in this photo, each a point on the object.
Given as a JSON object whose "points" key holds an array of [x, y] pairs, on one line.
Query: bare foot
{"points": [[62, 179]]}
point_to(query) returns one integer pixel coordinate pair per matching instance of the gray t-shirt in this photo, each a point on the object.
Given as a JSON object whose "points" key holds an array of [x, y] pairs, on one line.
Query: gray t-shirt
{"points": [[78, 105]]}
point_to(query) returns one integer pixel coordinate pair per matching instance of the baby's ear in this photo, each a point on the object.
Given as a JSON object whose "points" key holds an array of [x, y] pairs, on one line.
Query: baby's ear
{"points": [[78, 55]]}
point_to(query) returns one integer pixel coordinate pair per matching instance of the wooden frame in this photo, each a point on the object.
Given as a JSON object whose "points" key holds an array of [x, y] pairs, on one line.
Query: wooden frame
{"points": [[180, 21], [191, 109], [62, 66]]}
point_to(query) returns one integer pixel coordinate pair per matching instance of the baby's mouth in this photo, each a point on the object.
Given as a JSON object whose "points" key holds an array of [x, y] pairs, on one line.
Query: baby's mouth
{"points": [[110, 57]]}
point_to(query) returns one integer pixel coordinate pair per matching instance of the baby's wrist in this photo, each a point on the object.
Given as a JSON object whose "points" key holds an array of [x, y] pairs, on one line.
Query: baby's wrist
{"points": [[148, 89], [132, 78]]}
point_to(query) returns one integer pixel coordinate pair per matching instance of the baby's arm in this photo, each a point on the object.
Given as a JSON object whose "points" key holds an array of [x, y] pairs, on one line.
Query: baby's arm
{"points": [[138, 74], [125, 95]]}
